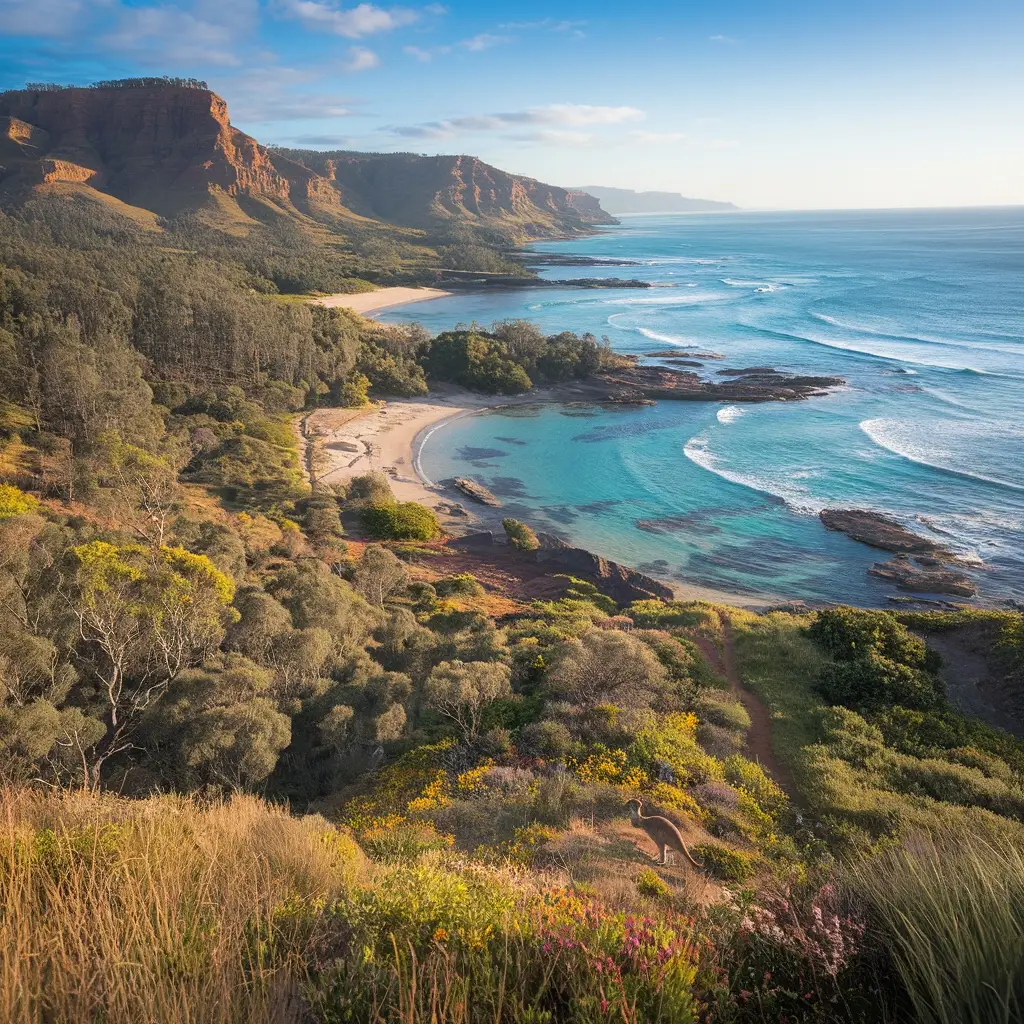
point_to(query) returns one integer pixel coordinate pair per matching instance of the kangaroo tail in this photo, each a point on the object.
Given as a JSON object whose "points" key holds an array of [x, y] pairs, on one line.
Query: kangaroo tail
{"points": [[689, 857]]}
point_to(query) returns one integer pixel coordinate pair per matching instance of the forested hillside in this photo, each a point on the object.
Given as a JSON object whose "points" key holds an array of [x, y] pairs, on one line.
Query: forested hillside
{"points": [[279, 752]]}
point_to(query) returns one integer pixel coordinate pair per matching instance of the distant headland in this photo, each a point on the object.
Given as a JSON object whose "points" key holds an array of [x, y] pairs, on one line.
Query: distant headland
{"points": [[624, 200]]}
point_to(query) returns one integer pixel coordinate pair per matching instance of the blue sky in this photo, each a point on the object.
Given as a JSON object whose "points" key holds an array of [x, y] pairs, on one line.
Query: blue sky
{"points": [[794, 104]]}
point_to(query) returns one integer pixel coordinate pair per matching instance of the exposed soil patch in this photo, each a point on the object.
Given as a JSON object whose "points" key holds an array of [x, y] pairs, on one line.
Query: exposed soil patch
{"points": [[971, 686]]}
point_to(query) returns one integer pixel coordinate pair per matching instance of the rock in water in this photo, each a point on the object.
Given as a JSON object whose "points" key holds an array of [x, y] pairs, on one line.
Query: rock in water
{"points": [[924, 576], [878, 531], [477, 492]]}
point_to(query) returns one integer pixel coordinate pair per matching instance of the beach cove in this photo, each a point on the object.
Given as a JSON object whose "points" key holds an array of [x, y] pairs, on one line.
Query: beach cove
{"points": [[922, 312]]}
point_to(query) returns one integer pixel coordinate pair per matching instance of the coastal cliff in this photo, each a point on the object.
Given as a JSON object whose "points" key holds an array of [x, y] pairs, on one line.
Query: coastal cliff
{"points": [[161, 148], [419, 191], [170, 149]]}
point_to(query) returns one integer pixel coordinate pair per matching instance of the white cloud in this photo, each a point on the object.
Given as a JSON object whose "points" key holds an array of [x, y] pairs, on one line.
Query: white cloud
{"points": [[352, 22], [431, 130], [39, 17], [208, 33], [577, 114], [553, 136], [555, 115], [321, 141], [552, 122], [361, 59], [549, 24], [721, 39], [268, 95], [483, 41], [658, 138], [425, 56]]}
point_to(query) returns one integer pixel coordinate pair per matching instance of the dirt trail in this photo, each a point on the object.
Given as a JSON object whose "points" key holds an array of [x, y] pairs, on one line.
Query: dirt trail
{"points": [[759, 736]]}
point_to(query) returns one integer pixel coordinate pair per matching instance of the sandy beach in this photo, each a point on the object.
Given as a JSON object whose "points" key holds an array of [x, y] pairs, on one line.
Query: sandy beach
{"points": [[382, 298], [387, 438]]}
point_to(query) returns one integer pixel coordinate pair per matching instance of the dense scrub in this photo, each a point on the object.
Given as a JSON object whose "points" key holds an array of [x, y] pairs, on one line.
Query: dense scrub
{"points": [[182, 613]]}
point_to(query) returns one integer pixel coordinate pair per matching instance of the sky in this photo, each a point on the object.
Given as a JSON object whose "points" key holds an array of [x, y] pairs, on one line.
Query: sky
{"points": [[798, 104]]}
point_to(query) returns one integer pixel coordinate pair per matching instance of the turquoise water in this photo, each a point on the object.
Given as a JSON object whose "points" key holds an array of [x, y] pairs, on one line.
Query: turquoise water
{"points": [[921, 311]]}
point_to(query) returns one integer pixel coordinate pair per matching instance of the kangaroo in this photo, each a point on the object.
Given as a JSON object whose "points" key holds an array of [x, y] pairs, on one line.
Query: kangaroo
{"points": [[661, 830]]}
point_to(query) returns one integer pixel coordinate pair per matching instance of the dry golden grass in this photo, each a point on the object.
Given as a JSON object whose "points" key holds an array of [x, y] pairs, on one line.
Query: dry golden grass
{"points": [[159, 910]]}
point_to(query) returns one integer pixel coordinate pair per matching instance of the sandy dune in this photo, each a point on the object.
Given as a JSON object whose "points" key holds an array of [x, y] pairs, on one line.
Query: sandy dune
{"points": [[382, 298]]}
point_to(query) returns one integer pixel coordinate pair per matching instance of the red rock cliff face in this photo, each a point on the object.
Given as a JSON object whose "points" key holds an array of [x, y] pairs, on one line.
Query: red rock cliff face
{"points": [[166, 148], [421, 190], [161, 148]]}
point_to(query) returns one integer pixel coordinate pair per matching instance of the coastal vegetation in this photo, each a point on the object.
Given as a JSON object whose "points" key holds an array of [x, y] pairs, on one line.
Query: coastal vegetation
{"points": [[276, 750]]}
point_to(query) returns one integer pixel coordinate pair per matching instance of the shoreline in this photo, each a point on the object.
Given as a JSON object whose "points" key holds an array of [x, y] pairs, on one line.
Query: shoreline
{"points": [[390, 437], [380, 299]]}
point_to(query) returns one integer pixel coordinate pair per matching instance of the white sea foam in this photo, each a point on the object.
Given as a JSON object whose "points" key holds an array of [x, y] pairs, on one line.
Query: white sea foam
{"points": [[898, 437], [729, 414], [670, 339], [667, 339], [758, 286], [920, 339], [887, 354], [794, 495], [670, 300]]}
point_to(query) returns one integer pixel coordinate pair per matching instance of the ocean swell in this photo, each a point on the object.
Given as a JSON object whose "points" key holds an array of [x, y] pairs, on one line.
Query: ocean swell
{"points": [[793, 495], [892, 436]]}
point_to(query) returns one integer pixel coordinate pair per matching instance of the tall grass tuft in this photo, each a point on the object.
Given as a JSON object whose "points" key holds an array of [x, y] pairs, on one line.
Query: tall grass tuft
{"points": [[128, 911], [952, 914]]}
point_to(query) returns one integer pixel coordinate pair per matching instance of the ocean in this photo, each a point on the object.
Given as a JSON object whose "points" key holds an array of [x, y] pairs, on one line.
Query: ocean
{"points": [[922, 313]]}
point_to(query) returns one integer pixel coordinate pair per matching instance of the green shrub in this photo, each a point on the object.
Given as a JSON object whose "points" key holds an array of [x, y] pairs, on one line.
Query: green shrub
{"points": [[850, 634], [723, 863], [720, 709], [370, 488], [404, 842], [354, 392], [954, 784], [463, 584], [874, 682], [547, 739], [520, 536], [401, 520], [752, 778], [650, 883], [654, 614]]}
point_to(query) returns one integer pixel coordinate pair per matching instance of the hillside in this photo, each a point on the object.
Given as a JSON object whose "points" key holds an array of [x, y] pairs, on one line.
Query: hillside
{"points": [[420, 190], [170, 149], [625, 201], [277, 748]]}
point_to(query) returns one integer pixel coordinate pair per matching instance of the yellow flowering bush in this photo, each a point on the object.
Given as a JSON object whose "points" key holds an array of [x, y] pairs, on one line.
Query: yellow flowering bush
{"points": [[15, 502], [674, 798], [474, 780], [608, 766], [527, 843]]}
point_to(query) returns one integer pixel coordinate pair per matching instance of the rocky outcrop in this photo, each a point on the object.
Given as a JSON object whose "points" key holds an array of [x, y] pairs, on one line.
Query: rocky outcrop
{"points": [[924, 575], [878, 531], [666, 383], [921, 565], [476, 491], [162, 148], [620, 583]]}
